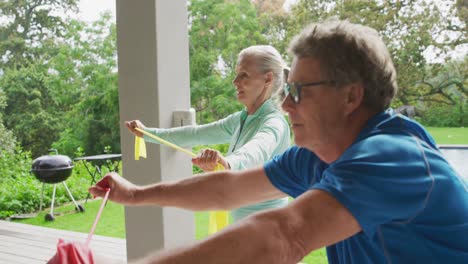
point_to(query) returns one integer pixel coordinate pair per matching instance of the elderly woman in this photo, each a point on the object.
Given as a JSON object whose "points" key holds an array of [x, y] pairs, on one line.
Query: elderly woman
{"points": [[255, 134]]}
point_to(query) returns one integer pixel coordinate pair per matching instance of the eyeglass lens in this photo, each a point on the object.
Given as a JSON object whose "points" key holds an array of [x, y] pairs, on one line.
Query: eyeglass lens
{"points": [[293, 90]]}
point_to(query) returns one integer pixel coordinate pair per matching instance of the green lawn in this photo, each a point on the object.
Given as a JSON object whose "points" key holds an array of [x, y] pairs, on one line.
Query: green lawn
{"points": [[112, 221], [449, 135]]}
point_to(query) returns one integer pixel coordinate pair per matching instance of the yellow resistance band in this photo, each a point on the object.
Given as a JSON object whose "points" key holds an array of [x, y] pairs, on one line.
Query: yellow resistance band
{"points": [[217, 220]]}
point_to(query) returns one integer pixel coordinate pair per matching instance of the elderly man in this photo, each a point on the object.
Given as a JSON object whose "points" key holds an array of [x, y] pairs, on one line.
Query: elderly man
{"points": [[369, 185]]}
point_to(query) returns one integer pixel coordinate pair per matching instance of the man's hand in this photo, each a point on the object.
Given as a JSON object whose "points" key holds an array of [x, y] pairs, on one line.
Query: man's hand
{"points": [[121, 190], [207, 160], [131, 125]]}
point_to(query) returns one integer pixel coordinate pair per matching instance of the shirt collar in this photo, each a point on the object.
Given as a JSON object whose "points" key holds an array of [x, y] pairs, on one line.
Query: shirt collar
{"points": [[267, 107], [375, 121]]}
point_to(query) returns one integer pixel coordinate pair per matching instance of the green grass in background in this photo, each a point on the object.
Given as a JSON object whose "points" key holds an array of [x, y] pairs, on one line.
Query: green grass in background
{"points": [[111, 224], [112, 221], [449, 135]]}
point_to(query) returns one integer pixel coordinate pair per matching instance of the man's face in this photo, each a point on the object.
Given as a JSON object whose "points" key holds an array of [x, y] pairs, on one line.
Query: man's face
{"points": [[320, 112]]}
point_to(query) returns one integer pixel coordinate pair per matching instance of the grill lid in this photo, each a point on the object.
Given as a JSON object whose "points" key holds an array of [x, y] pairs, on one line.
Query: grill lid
{"points": [[52, 163]]}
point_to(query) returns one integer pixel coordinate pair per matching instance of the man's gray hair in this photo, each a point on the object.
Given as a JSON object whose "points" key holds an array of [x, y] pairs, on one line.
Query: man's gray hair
{"points": [[349, 53], [268, 59]]}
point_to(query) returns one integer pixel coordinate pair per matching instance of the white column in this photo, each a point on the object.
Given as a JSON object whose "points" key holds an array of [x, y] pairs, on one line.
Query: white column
{"points": [[152, 40]]}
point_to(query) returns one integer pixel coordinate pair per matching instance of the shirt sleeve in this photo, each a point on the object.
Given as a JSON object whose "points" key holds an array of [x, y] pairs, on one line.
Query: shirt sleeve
{"points": [[261, 146], [294, 171], [217, 132], [380, 180]]}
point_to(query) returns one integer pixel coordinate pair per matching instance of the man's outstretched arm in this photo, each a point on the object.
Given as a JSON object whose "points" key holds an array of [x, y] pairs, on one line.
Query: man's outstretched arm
{"points": [[209, 191], [284, 235]]}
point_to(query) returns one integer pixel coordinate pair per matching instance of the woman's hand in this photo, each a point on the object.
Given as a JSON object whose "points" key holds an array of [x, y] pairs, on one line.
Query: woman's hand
{"points": [[121, 190], [207, 160], [131, 125]]}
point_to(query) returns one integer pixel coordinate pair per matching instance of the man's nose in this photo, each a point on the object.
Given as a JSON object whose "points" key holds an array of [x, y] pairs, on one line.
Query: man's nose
{"points": [[288, 104]]}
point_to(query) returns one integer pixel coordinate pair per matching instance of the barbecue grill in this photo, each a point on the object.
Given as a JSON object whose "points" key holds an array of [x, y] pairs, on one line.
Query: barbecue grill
{"points": [[54, 169]]}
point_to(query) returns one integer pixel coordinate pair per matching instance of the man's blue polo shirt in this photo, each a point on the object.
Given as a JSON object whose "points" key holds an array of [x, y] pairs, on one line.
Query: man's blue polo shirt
{"points": [[411, 204]]}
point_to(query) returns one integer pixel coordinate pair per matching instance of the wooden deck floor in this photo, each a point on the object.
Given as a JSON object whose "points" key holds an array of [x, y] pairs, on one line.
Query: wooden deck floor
{"points": [[27, 244]]}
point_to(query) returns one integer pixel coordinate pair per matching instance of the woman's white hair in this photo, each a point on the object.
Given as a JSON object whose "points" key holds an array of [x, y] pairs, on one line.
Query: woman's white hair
{"points": [[268, 59]]}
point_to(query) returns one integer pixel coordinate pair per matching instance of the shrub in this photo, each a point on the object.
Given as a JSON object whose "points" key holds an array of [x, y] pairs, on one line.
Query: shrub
{"points": [[441, 115], [20, 191]]}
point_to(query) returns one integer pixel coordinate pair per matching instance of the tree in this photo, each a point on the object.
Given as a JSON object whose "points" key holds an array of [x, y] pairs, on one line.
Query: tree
{"points": [[67, 97], [270, 7], [7, 140], [445, 88], [26, 45], [87, 65], [28, 24], [26, 108], [409, 28], [219, 30], [449, 86], [462, 10]]}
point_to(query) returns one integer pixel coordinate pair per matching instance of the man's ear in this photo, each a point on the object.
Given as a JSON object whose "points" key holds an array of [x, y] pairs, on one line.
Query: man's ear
{"points": [[354, 96]]}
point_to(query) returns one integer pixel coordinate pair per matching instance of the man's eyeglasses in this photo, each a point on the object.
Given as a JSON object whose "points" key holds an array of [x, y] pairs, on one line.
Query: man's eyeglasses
{"points": [[294, 89]]}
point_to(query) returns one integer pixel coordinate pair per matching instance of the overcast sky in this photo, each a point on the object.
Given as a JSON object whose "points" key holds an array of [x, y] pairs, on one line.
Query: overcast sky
{"points": [[90, 9]]}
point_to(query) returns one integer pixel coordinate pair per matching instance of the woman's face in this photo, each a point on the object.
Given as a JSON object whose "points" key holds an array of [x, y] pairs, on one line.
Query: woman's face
{"points": [[251, 85]]}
